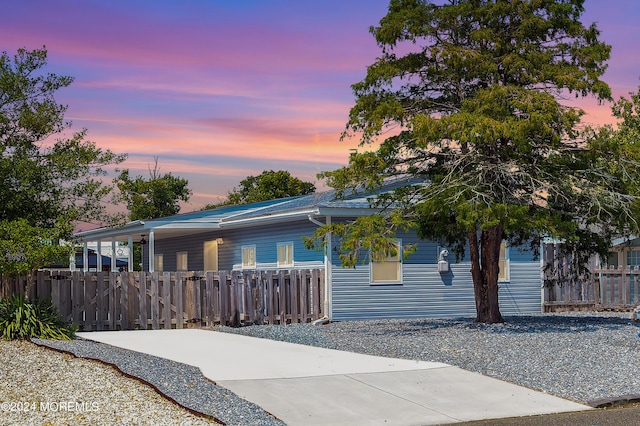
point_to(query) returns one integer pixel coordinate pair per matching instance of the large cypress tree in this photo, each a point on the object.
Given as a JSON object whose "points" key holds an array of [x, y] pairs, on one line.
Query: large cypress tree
{"points": [[468, 96]]}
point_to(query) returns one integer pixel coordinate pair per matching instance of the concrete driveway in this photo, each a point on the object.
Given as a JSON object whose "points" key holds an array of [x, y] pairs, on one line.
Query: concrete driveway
{"points": [[304, 385]]}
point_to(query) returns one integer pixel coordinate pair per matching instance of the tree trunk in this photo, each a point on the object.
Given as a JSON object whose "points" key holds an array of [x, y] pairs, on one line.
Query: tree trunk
{"points": [[485, 257]]}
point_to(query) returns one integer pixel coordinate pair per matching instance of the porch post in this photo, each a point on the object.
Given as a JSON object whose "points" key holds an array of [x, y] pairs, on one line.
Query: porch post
{"points": [[85, 257], [151, 250], [72, 260], [114, 264], [130, 260], [99, 256]]}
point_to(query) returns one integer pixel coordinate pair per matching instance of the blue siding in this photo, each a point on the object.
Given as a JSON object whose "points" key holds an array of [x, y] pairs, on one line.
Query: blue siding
{"points": [[424, 292], [516, 255], [264, 238]]}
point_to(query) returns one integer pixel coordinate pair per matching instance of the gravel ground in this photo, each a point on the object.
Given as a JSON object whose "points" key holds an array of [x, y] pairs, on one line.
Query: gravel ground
{"points": [[580, 356], [183, 383], [44, 387]]}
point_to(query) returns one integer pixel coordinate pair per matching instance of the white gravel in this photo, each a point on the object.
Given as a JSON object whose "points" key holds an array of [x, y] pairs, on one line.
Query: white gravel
{"points": [[182, 383], [44, 387], [582, 357]]}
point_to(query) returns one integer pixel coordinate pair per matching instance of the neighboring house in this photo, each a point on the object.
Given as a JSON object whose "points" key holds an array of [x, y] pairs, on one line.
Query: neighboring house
{"points": [[624, 252], [268, 235], [77, 262]]}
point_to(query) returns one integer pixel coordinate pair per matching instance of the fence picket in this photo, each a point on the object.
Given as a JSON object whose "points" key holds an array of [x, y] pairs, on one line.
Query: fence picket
{"points": [[142, 299], [197, 296], [294, 277], [180, 296], [100, 313], [208, 312], [270, 297], [167, 283], [282, 300], [126, 300], [155, 302]]}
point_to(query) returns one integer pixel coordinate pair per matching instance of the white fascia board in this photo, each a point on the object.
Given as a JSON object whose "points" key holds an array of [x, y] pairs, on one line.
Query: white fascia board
{"points": [[278, 217], [348, 212], [189, 225], [105, 233], [255, 209], [624, 240]]}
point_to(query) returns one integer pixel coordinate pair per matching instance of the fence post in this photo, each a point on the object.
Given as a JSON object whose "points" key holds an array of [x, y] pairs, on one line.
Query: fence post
{"points": [[208, 312], [155, 300], [100, 313], [224, 298], [294, 276], [283, 290], [596, 283], [636, 271], [235, 285], [269, 303], [305, 276], [166, 297], [197, 293], [248, 305], [182, 299], [142, 300], [262, 306], [124, 304]]}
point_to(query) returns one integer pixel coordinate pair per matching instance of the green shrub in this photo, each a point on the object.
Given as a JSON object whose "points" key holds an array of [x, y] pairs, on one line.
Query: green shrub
{"points": [[21, 319]]}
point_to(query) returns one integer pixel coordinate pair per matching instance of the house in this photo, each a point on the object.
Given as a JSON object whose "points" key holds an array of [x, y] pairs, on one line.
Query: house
{"points": [[76, 262], [268, 235], [624, 252]]}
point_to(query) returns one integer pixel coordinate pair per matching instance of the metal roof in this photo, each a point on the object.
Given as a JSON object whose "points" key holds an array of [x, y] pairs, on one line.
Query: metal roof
{"points": [[325, 203]]}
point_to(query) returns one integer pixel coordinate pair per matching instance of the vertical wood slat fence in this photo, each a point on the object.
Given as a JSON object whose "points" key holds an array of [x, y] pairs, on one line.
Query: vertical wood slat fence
{"points": [[130, 300], [609, 288], [617, 288], [566, 289]]}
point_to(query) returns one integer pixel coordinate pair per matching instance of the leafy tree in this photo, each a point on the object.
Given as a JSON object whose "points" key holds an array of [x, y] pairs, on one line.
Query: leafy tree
{"points": [[268, 185], [158, 196], [51, 177], [24, 248], [467, 96]]}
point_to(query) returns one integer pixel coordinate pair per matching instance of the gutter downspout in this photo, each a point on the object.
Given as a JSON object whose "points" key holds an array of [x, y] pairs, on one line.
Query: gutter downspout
{"points": [[328, 285]]}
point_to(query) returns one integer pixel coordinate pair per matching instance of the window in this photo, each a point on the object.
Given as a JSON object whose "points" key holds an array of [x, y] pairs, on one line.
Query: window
{"points": [[181, 261], [503, 262], [158, 262], [249, 256], [388, 269], [211, 255], [285, 254], [633, 258]]}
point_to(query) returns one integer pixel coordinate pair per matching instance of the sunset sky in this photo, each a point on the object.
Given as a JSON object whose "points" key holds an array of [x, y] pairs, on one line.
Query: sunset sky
{"points": [[220, 90]]}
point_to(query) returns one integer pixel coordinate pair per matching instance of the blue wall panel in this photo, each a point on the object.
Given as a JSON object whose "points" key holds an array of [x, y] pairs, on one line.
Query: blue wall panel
{"points": [[265, 238], [425, 292]]}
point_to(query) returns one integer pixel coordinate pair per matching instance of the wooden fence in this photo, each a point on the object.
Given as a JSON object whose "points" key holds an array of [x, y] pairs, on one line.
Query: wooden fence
{"points": [[131, 300], [607, 289]]}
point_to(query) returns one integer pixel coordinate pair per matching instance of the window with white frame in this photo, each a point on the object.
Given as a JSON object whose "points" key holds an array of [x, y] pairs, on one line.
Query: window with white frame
{"points": [[503, 263], [285, 254], [388, 269], [158, 262], [633, 258], [181, 261], [248, 256]]}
